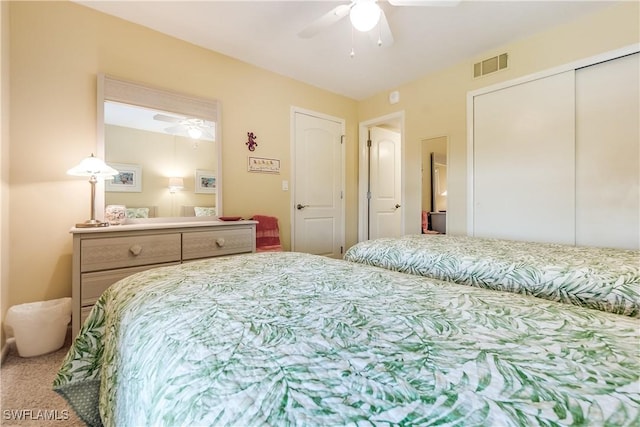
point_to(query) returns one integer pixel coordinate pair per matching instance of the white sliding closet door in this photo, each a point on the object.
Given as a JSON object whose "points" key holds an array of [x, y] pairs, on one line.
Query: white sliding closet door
{"points": [[523, 161], [608, 154]]}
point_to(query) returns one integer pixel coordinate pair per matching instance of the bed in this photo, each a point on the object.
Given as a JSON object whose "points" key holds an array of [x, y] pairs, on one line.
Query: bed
{"points": [[141, 212], [284, 338], [601, 278], [197, 211]]}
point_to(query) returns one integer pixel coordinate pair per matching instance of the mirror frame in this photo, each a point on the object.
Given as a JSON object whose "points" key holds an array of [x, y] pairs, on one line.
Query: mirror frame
{"points": [[132, 93]]}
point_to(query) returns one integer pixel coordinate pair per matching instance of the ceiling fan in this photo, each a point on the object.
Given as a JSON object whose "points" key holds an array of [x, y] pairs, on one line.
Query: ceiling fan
{"points": [[195, 128], [365, 15]]}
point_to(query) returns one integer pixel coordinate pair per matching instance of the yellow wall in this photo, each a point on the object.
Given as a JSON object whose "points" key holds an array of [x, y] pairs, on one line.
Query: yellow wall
{"points": [[57, 48], [4, 163], [435, 105]]}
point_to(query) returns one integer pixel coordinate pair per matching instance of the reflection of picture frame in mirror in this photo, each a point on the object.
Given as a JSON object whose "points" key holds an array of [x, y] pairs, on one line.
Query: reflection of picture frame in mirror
{"points": [[129, 178], [205, 181]]}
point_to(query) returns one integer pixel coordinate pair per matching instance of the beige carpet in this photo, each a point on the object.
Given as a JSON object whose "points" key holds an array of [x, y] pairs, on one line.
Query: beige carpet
{"points": [[27, 397]]}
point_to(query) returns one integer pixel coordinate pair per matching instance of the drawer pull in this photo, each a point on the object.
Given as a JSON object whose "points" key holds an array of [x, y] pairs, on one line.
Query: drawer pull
{"points": [[220, 242], [135, 250]]}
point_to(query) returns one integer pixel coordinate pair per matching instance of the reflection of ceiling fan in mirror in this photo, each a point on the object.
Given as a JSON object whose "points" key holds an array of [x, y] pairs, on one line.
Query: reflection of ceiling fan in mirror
{"points": [[186, 126], [365, 15]]}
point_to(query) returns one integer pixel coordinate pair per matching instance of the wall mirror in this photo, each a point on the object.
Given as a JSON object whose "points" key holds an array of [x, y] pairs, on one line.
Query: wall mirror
{"points": [[438, 182], [434, 184], [166, 147]]}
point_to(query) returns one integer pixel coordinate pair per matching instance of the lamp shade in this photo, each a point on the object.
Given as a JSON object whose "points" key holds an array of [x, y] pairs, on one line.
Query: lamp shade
{"points": [[364, 15], [92, 166], [176, 184]]}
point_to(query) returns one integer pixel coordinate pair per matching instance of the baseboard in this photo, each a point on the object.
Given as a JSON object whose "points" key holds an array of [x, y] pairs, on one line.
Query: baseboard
{"points": [[11, 342]]}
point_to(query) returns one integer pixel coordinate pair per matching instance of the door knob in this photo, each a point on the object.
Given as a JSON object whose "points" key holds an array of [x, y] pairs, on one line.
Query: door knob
{"points": [[397, 206], [299, 206]]}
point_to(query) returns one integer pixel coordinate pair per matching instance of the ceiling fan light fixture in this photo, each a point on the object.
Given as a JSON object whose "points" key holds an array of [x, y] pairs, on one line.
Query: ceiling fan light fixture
{"points": [[364, 15], [194, 132]]}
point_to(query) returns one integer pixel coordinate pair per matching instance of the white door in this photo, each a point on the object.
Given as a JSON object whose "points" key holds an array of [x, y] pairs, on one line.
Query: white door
{"points": [[385, 208], [608, 153], [318, 219], [524, 161]]}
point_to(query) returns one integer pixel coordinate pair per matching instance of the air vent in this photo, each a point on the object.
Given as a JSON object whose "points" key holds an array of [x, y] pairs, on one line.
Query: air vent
{"points": [[490, 65]]}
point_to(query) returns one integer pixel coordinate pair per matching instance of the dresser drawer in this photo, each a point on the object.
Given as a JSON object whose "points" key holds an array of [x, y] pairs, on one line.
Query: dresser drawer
{"points": [[94, 284], [204, 244], [118, 252]]}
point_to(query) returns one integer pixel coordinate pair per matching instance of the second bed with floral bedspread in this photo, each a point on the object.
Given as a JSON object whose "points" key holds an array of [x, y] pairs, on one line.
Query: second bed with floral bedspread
{"points": [[600, 278]]}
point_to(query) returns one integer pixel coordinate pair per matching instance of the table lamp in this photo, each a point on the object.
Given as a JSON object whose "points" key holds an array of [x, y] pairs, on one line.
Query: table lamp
{"points": [[94, 168], [175, 184]]}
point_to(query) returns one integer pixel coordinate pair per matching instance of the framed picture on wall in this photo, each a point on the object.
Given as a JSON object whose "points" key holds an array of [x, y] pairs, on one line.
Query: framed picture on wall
{"points": [[129, 178], [205, 181], [260, 164]]}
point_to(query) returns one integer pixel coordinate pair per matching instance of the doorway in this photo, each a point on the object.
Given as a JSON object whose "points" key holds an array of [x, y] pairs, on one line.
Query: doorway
{"points": [[318, 184], [381, 185]]}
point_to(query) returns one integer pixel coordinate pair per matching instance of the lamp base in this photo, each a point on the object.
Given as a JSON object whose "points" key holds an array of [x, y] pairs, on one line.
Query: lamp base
{"points": [[92, 223]]}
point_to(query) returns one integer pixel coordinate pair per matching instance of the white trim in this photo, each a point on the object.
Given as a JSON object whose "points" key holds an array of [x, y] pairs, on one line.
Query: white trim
{"points": [[364, 170], [574, 65], [100, 148], [292, 182], [470, 164], [9, 343]]}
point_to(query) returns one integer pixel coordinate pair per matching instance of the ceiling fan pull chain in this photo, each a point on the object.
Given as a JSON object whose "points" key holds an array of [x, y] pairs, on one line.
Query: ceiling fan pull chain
{"points": [[353, 52]]}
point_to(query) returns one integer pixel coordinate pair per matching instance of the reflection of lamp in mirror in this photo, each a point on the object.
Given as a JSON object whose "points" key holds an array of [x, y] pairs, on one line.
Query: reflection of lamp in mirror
{"points": [[175, 184], [94, 168]]}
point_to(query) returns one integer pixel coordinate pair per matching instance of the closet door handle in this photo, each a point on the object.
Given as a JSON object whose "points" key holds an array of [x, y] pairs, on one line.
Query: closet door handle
{"points": [[300, 207], [397, 206]]}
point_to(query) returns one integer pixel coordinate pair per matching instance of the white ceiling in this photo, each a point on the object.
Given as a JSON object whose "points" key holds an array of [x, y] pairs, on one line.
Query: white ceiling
{"points": [[265, 34]]}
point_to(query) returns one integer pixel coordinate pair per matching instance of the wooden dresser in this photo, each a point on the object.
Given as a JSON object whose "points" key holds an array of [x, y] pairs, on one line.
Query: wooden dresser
{"points": [[102, 256]]}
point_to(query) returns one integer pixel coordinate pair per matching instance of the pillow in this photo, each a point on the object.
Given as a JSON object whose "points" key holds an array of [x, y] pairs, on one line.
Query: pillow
{"points": [[137, 212], [202, 211]]}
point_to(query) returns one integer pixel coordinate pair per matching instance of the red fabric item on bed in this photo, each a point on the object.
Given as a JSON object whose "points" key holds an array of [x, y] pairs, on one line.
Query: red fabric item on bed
{"points": [[267, 233]]}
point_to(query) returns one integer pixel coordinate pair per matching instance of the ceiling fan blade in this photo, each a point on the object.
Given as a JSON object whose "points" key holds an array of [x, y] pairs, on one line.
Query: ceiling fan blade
{"points": [[381, 34], [165, 118], [175, 130], [424, 2], [199, 123], [325, 21]]}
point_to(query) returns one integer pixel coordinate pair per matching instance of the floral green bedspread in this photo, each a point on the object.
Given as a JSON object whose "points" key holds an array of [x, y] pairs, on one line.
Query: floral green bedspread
{"points": [[601, 278], [295, 339]]}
